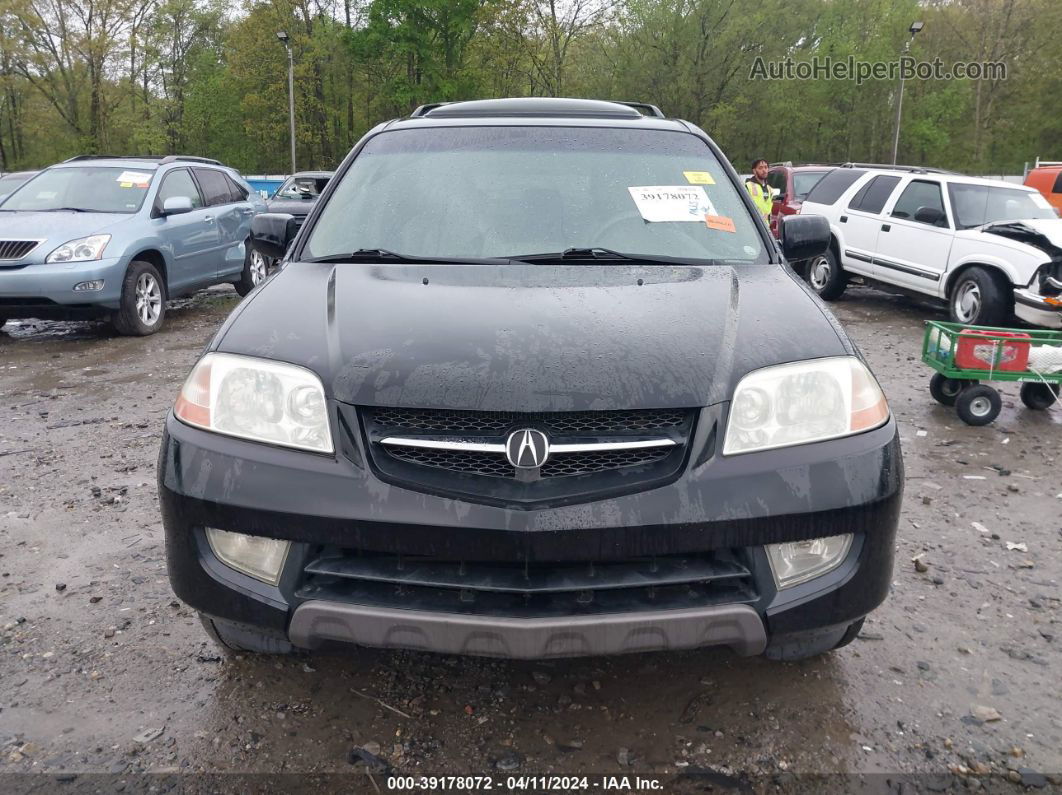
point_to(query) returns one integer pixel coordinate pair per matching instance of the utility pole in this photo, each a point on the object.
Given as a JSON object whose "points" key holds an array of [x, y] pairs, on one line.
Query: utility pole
{"points": [[291, 93], [915, 28]]}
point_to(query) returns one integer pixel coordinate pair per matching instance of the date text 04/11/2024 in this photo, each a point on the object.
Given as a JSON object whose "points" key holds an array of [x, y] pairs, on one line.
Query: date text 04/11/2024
{"points": [[524, 783]]}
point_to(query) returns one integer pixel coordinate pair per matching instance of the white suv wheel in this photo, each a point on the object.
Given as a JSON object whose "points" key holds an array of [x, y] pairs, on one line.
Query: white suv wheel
{"points": [[819, 272], [967, 302]]}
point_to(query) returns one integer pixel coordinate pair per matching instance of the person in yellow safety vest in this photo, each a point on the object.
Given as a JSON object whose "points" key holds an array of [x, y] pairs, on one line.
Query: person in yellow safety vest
{"points": [[758, 189]]}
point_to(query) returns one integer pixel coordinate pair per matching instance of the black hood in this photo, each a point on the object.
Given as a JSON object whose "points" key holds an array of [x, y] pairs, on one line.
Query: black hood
{"points": [[531, 337], [291, 206]]}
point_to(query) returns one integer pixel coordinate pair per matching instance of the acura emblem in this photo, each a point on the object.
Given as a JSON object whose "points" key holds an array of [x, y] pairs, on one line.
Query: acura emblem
{"points": [[527, 449]]}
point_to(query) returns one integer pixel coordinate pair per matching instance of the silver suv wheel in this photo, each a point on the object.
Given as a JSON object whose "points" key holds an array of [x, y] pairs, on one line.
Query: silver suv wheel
{"points": [[148, 299], [258, 268]]}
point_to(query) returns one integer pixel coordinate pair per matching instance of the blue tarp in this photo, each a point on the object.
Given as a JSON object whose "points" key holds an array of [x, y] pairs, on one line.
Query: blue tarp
{"points": [[266, 185]]}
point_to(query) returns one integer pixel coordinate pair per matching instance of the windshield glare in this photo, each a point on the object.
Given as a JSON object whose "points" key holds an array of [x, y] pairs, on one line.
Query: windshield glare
{"points": [[975, 205], [100, 189], [473, 192]]}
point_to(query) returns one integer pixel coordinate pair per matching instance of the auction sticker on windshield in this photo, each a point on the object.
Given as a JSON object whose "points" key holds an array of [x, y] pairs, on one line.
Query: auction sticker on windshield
{"points": [[698, 177], [720, 222], [661, 203], [133, 179]]}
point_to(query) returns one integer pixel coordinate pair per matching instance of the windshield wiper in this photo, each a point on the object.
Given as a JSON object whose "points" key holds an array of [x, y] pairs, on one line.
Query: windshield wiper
{"points": [[70, 210], [385, 255], [599, 254]]}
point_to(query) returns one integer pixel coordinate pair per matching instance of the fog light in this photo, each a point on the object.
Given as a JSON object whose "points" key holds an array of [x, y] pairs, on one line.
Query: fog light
{"points": [[259, 557], [799, 561], [96, 284]]}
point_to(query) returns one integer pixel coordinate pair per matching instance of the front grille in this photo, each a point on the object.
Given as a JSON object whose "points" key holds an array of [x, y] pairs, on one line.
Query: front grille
{"points": [[528, 589], [496, 466], [11, 250], [486, 475], [559, 423], [588, 463], [471, 463]]}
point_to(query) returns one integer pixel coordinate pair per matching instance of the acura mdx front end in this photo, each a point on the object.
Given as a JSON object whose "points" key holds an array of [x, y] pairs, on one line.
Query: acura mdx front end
{"points": [[534, 382]]}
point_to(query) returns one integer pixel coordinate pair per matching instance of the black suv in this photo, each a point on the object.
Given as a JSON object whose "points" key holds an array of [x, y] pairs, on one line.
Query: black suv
{"points": [[534, 382]]}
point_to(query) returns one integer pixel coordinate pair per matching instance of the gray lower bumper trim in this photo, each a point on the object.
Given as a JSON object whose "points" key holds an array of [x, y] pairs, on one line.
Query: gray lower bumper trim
{"points": [[737, 626]]}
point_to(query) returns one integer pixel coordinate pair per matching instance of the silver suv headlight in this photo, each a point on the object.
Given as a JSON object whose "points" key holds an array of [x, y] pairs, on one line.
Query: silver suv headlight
{"points": [[83, 249], [803, 402], [256, 399]]}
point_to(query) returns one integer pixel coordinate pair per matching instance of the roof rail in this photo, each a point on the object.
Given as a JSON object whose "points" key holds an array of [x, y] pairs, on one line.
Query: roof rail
{"points": [[423, 110], [190, 159], [887, 167], [804, 164], [161, 159], [75, 158], [1040, 163], [642, 107]]}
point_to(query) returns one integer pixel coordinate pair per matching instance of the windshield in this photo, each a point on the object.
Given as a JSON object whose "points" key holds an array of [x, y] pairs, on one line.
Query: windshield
{"points": [[804, 181], [301, 188], [478, 192], [975, 205], [98, 189]]}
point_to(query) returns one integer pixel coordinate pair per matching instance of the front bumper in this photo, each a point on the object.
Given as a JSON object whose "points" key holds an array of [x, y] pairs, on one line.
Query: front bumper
{"points": [[736, 626], [1033, 308], [47, 289], [720, 508]]}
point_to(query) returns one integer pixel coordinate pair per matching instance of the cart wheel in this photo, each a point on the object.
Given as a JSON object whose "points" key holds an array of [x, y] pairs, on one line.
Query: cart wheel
{"points": [[945, 390], [978, 405], [1039, 396]]}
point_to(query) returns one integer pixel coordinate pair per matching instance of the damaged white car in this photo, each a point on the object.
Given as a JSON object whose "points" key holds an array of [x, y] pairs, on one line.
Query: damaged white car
{"points": [[988, 248]]}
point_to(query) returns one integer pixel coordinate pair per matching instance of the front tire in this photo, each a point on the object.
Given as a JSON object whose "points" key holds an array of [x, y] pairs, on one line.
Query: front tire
{"points": [[142, 306], [255, 270], [826, 276], [233, 638], [978, 405], [980, 298]]}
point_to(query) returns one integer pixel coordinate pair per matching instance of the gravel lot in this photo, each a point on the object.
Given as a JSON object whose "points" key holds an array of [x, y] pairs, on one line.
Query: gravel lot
{"points": [[102, 671]]}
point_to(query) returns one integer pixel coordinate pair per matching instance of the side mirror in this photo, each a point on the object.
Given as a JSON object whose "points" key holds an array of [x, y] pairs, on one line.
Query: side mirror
{"points": [[177, 205], [804, 236], [272, 233], [929, 215]]}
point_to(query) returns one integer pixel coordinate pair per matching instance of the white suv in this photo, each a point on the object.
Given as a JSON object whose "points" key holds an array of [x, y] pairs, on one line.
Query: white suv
{"points": [[989, 248]]}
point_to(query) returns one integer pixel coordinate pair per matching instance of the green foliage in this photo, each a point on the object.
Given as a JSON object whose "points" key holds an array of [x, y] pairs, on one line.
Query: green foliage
{"points": [[204, 77]]}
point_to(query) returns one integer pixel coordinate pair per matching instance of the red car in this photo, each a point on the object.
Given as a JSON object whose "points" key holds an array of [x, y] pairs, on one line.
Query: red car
{"points": [[792, 184], [1046, 177]]}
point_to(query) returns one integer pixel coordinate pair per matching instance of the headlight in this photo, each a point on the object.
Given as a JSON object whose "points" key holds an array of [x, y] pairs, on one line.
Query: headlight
{"points": [[256, 399], [257, 556], [803, 402], [83, 249], [799, 561]]}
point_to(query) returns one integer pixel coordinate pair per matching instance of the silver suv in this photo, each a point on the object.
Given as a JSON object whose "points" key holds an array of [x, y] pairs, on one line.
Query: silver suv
{"points": [[116, 237]]}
